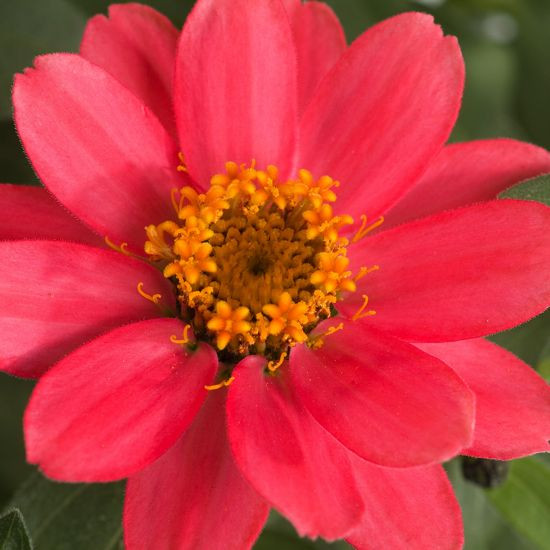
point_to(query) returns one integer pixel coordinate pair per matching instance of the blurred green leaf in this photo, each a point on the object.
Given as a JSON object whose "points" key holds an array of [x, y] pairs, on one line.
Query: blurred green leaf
{"points": [[484, 528], [533, 84], [543, 366], [527, 340], [13, 534], [535, 189], [29, 28], [524, 500], [15, 166], [62, 516], [14, 394], [175, 9], [279, 533]]}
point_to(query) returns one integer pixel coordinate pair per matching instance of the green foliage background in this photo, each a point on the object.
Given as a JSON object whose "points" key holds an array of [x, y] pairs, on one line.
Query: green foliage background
{"points": [[506, 45]]}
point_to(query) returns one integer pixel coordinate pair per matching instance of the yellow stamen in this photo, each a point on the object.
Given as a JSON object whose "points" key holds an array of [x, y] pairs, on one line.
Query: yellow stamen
{"points": [[182, 166], [361, 311], [152, 298], [318, 340], [184, 340], [365, 271], [123, 248], [274, 365], [365, 229], [222, 384], [257, 262]]}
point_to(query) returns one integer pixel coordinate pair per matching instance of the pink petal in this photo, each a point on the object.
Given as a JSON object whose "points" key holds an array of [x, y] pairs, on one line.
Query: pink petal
{"points": [[115, 405], [96, 147], [137, 45], [458, 274], [407, 509], [56, 295], [465, 173], [512, 400], [32, 213], [381, 398], [194, 496], [235, 86], [384, 112], [320, 42], [287, 457]]}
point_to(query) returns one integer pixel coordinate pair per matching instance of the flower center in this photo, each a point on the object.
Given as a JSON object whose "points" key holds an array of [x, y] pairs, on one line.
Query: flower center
{"points": [[256, 262]]}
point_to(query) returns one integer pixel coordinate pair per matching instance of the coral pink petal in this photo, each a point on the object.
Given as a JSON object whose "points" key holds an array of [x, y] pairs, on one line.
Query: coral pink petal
{"points": [[137, 45], [383, 112], [56, 295], [466, 173], [96, 146], [235, 86], [459, 274], [194, 497], [407, 509], [287, 457], [116, 404], [512, 400], [320, 42], [32, 213], [381, 398]]}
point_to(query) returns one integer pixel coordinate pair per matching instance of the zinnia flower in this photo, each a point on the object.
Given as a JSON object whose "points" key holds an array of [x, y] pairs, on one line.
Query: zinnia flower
{"points": [[259, 337]]}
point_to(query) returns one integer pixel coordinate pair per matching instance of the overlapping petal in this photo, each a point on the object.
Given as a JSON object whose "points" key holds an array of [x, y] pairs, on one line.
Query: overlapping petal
{"points": [[116, 404], [194, 497], [287, 457], [382, 399], [32, 213], [512, 400], [320, 42], [466, 173], [459, 274], [407, 509], [56, 295], [383, 112], [96, 146], [137, 45], [235, 86]]}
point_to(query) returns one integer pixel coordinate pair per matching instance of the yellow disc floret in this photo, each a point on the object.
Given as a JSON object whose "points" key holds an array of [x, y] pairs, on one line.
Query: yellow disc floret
{"points": [[257, 262]]}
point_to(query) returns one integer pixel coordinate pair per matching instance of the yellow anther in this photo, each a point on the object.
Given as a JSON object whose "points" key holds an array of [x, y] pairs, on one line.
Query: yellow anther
{"points": [[365, 229], [272, 366], [123, 248], [152, 298], [365, 271], [257, 262], [227, 323], [184, 340], [182, 166], [361, 311], [222, 384], [318, 341], [287, 317], [156, 245]]}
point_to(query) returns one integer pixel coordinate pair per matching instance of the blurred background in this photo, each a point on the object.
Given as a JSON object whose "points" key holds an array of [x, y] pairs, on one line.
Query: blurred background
{"points": [[506, 45]]}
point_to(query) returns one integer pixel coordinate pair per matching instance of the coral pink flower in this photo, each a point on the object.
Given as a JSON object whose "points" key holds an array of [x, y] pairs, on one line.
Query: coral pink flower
{"points": [[333, 408]]}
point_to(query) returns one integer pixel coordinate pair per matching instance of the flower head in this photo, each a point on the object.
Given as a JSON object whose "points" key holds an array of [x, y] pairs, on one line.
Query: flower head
{"points": [[291, 315]]}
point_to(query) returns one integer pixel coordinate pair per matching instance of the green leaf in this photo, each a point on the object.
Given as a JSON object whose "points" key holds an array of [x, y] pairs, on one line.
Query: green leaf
{"points": [[62, 516], [524, 500], [29, 28], [536, 189], [527, 340], [14, 394], [543, 366], [174, 9], [13, 533], [484, 528]]}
